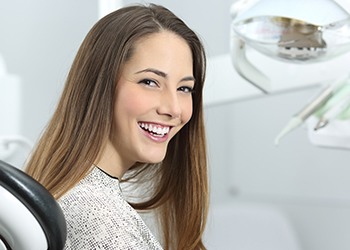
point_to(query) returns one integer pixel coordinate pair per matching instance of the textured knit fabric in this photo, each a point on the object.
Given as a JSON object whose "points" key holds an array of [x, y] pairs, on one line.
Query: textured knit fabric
{"points": [[98, 217]]}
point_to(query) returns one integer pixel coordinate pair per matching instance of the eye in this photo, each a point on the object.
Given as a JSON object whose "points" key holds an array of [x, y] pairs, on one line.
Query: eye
{"points": [[186, 89], [149, 82]]}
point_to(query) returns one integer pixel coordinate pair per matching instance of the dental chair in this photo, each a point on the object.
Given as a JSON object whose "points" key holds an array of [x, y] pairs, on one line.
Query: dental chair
{"points": [[30, 218]]}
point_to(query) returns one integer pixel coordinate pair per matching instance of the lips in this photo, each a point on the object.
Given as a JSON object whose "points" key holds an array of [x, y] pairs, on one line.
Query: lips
{"points": [[155, 129]]}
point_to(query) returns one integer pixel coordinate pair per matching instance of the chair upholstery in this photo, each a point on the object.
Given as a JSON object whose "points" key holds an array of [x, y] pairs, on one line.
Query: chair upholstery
{"points": [[30, 217]]}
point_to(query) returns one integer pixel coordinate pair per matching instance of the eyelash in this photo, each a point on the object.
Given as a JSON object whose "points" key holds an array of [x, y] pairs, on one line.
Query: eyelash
{"points": [[149, 82], [186, 89]]}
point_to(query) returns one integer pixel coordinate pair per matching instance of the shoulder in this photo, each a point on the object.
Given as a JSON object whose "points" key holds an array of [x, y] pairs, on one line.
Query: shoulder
{"points": [[90, 192], [87, 201], [91, 220]]}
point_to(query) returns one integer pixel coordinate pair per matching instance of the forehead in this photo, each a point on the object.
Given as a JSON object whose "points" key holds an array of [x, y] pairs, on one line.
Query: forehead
{"points": [[160, 49]]}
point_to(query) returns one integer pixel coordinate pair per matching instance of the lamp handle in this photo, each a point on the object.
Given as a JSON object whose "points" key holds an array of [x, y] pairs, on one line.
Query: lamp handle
{"points": [[245, 68]]}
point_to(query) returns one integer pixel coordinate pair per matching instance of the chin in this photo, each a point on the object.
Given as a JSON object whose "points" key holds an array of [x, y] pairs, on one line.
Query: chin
{"points": [[156, 158], [152, 154]]}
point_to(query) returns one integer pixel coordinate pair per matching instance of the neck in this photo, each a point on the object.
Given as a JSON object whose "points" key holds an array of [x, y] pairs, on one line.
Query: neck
{"points": [[110, 162]]}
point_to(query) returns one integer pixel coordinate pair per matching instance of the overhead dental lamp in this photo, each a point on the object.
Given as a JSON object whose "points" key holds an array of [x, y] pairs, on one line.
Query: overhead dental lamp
{"points": [[295, 31]]}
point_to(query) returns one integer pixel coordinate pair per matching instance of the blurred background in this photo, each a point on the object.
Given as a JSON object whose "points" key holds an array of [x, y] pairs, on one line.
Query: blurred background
{"points": [[292, 196]]}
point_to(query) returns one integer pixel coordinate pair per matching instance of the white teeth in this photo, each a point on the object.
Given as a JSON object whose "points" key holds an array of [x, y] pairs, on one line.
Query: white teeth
{"points": [[155, 129]]}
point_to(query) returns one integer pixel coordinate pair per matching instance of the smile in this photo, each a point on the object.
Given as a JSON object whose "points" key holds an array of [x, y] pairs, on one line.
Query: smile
{"points": [[155, 129]]}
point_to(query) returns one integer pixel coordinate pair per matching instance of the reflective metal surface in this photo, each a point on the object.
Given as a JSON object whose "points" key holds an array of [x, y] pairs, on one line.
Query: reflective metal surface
{"points": [[294, 40]]}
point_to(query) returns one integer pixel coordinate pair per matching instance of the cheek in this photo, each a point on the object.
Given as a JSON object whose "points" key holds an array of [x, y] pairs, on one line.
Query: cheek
{"points": [[187, 110], [131, 103]]}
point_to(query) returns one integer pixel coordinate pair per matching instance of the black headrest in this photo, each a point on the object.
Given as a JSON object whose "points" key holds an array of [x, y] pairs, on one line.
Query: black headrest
{"points": [[38, 201]]}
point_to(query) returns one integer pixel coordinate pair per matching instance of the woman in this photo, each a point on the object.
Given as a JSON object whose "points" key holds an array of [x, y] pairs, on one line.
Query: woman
{"points": [[131, 110]]}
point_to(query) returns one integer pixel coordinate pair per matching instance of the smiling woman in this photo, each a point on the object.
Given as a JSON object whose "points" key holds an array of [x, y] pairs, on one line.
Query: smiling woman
{"points": [[131, 109]]}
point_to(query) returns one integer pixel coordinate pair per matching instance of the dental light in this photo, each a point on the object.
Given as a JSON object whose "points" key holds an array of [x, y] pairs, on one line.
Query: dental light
{"points": [[295, 31]]}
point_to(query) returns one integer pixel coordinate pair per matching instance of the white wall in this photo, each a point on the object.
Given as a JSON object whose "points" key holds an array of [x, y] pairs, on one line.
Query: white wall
{"points": [[38, 41]]}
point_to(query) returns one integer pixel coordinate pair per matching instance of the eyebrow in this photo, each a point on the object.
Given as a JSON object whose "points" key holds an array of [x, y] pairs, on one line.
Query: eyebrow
{"points": [[163, 74]]}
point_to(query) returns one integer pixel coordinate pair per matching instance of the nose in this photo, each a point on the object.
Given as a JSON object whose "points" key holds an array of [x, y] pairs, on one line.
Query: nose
{"points": [[170, 104]]}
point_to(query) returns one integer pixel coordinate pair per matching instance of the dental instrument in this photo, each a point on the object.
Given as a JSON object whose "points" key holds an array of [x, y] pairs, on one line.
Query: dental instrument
{"points": [[310, 108], [333, 112]]}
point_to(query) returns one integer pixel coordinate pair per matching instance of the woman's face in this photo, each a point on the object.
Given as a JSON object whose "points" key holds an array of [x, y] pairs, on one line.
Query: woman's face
{"points": [[153, 98]]}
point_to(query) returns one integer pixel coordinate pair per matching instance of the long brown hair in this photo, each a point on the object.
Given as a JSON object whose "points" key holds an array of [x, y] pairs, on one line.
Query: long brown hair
{"points": [[83, 121]]}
